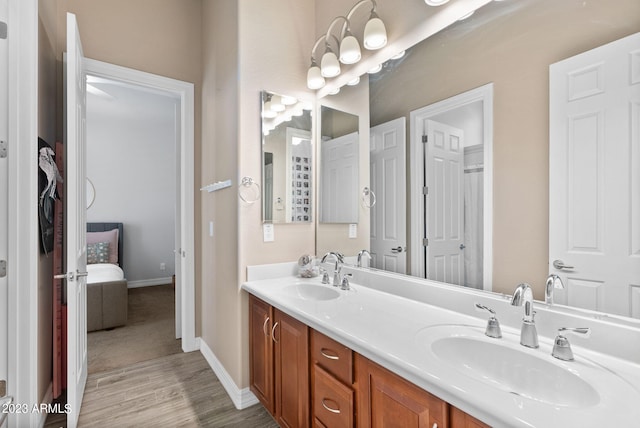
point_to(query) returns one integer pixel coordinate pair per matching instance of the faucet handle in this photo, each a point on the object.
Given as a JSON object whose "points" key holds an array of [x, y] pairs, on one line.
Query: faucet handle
{"points": [[562, 347], [493, 325], [325, 276], [345, 281]]}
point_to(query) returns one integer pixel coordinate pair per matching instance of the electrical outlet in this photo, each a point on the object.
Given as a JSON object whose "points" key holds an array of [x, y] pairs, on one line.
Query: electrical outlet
{"points": [[163, 266]]}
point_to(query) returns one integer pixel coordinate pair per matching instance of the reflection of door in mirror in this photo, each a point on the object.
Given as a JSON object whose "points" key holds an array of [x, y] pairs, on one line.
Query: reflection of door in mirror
{"points": [[387, 160], [267, 181], [339, 171], [594, 177]]}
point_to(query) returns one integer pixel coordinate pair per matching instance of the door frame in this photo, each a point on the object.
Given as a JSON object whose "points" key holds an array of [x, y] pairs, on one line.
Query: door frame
{"points": [[416, 182], [23, 251], [184, 91]]}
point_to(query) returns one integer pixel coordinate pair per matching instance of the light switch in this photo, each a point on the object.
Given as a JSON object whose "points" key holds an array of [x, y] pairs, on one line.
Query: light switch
{"points": [[353, 230], [268, 232]]}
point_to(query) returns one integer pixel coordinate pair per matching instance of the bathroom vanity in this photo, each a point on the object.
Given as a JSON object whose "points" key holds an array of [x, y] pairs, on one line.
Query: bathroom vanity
{"points": [[401, 351]]}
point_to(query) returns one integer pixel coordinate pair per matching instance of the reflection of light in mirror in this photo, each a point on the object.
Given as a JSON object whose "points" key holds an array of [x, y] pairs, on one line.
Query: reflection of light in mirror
{"points": [[354, 82], [276, 104], [436, 2], [268, 113], [466, 16], [335, 91], [375, 69], [288, 101], [297, 140], [401, 54]]}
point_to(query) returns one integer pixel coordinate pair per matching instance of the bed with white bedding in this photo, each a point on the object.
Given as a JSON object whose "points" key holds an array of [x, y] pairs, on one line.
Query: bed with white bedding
{"points": [[107, 294]]}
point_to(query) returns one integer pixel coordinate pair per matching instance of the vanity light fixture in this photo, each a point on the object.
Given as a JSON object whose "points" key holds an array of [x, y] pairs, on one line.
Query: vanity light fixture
{"points": [[348, 47]]}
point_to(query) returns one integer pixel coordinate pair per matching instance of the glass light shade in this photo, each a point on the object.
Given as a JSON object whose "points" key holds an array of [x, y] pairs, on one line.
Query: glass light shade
{"points": [[336, 91], [329, 66], [354, 82], [350, 50], [276, 104], [375, 34], [436, 2], [398, 55], [314, 77]]}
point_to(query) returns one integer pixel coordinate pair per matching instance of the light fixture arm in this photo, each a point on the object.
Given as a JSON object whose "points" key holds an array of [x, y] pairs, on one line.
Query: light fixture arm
{"points": [[345, 27], [315, 46], [357, 5], [327, 38]]}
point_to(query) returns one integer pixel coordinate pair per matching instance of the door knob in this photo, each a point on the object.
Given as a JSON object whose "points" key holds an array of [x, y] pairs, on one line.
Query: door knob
{"points": [[462, 246], [398, 249], [559, 264]]}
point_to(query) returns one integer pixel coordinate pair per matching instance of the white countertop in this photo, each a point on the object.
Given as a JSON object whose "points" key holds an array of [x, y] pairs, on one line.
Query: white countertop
{"points": [[389, 330]]}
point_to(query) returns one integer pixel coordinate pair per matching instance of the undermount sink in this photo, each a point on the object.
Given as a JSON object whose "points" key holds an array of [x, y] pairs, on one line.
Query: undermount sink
{"points": [[312, 292], [507, 366]]}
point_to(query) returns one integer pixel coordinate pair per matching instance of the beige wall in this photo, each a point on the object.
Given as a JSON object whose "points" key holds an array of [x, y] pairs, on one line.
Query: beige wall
{"points": [[515, 55]]}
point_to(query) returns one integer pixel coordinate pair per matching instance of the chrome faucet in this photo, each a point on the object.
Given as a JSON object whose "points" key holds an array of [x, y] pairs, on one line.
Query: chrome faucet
{"points": [[360, 254], [338, 266], [523, 296], [553, 282]]}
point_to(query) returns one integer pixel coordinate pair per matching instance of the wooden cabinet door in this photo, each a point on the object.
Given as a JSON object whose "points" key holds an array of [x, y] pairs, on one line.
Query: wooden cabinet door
{"points": [[460, 419], [261, 352], [386, 400], [291, 339]]}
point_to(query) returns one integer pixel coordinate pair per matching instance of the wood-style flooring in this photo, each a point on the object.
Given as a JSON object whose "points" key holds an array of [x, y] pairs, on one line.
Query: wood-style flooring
{"points": [[178, 390]]}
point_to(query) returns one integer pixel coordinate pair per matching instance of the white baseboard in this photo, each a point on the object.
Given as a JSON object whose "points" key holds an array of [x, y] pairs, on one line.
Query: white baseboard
{"points": [[149, 282], [242, 398]]}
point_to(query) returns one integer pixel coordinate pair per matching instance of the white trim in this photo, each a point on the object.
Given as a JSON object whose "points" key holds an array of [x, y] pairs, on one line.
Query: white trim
{"points": [[185, 92], [484, 94], [22, 379], [242, 398], [149, 282], [47, 399]]}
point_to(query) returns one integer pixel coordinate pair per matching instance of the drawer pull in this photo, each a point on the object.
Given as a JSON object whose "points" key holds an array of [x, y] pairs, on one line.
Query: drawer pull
{"points": [[332, 410], [273, 330], [264, 327], [324, 351]]}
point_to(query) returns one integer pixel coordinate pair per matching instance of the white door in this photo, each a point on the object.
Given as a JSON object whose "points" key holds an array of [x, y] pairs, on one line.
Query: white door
{"points": [[339, 186], [75, 223], [4, 197], [444, 181], [389, 184], [594, 195], [178, 228]]}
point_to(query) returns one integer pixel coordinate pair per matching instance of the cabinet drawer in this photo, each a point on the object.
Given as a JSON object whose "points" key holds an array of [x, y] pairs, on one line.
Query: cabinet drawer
{"points": [[332, 401], [335, 358]]}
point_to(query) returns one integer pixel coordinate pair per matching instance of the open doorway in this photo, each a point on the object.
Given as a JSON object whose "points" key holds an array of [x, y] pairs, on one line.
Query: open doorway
{"points": [[132, 180]]}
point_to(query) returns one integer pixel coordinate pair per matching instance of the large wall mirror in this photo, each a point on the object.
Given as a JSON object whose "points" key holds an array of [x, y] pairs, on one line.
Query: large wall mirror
{"points": [[287, 160], [498, 59], [339, 172]]}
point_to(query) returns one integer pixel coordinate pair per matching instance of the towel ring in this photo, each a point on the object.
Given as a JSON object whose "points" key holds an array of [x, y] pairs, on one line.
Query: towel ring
{"points": [[248, 183], [368, 198]]}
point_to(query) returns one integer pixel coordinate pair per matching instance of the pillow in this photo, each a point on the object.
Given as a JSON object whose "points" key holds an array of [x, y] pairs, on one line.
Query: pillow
{"points": [[98, 253], [111, 237]]}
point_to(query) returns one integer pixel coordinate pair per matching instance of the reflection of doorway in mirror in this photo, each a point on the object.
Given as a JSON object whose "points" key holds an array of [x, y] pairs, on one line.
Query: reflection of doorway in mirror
{"points": [[451, 143], [267, 199]]}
